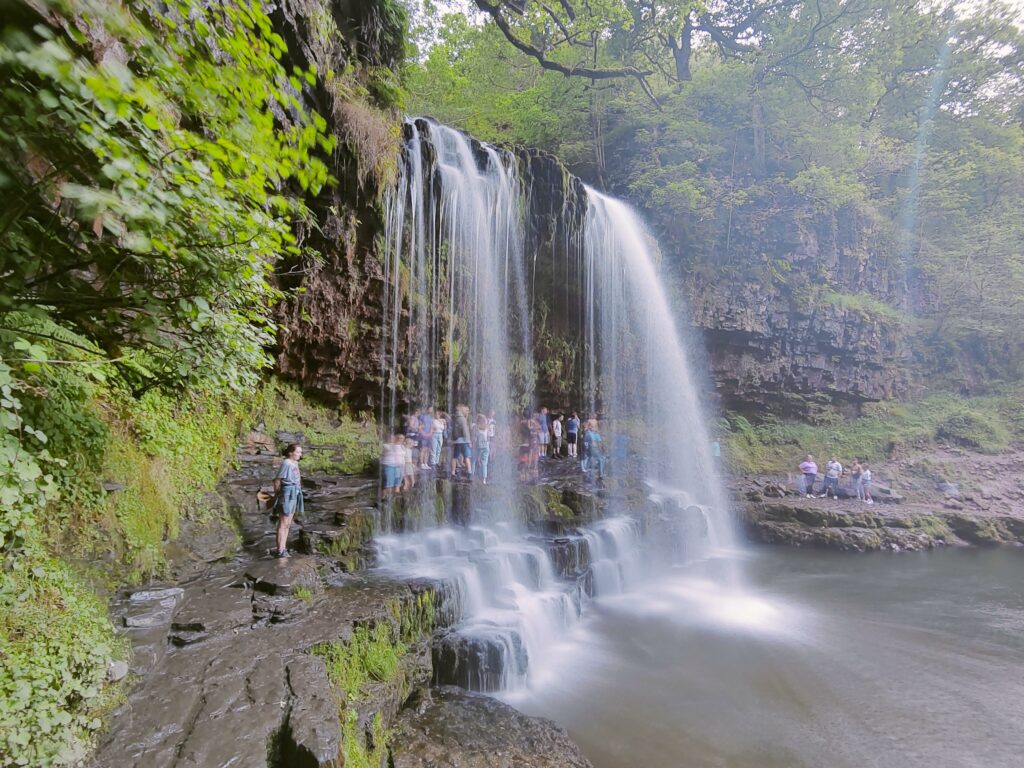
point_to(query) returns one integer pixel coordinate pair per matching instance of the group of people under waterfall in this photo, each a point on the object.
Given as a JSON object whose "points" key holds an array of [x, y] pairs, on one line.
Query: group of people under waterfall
{"points": [[859, 473], [462, 446]]}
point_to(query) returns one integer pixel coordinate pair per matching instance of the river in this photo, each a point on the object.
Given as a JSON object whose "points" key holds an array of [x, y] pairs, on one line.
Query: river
{"points": [[831, 660]]}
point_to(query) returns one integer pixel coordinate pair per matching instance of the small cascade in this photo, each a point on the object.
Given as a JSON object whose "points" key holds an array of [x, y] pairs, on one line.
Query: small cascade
{"points": [[464, 288]]}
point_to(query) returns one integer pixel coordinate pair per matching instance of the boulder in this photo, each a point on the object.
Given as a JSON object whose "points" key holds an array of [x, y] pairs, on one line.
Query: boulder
{"points": [[454, 728]]}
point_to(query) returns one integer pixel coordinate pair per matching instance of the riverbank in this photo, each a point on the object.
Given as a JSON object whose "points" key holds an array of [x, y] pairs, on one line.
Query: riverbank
{"points": [[944, 497]]}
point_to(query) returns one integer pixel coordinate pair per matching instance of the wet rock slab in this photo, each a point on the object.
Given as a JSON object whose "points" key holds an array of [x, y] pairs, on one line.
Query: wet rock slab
{"points": [[283, 576], [459, 729]]}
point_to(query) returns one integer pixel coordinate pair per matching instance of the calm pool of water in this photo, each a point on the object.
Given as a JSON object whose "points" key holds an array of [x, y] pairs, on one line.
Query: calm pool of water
{"points": [[826, 660]]}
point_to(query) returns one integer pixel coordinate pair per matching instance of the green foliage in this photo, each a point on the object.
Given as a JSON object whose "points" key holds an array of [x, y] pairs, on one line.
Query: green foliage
{"points": [[371, 655], [333, 439], [56, 642], [975, 429], [150, 180], [864, 304], [304, 593]]}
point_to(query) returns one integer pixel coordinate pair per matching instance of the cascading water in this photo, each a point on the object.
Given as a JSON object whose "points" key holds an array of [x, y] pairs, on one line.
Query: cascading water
{"points": [[638, 370], [458, 331]]}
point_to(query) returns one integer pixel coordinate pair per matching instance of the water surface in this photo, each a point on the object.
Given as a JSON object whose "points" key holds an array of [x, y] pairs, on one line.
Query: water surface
{"points": [[832, 660]]}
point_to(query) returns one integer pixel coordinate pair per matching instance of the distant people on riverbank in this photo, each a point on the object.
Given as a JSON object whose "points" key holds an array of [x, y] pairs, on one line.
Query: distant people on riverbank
{"points": [[833, 471], [809, 471], [865, 484], [572, 429], [544, 433], [556, 432], [855, 473]]}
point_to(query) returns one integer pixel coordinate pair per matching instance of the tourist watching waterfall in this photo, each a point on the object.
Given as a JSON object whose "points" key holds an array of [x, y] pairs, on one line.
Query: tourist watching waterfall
{"points": [[392, 462], [425, 437], [809, 472], [462, 450], [865, 484], [437, 428], [855, 474], [572, 429], [593, 450], [833, 471], [482, 441], [288, 493], [545, 432], [556, 431]]}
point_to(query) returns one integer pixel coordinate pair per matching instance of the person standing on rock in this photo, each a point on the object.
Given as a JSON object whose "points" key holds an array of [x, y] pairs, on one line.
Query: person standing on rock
{"points": [[545, 432], [865, 484], [437, 428], [425, 437], [833, 470], [462, 450], [572, 430], [288, 490], [392, 464], [482, 439], [855, 472], [556, 431], [809, 470]]}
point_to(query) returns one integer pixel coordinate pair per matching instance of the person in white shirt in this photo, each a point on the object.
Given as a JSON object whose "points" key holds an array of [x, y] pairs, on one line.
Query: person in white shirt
{"points": [[556, 430], [865, 482], [833, 471]]}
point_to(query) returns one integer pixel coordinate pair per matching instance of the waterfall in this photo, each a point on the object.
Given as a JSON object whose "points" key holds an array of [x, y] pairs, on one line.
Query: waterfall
{"points": [[460, 270]]}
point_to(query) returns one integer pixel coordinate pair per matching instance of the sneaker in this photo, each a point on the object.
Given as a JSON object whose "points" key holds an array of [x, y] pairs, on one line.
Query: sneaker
{"points": [[871, 501], [284, 553], [822, 496]]}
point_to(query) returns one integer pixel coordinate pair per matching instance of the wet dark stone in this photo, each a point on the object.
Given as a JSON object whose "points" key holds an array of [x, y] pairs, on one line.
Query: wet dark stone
{"points": [[209, 609], [478, 658], [156, 612], [313, 733], [283, 576], [458, 729]]}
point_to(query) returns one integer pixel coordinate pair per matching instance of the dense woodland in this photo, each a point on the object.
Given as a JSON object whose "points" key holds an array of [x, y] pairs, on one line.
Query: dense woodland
{"points": [[898, 117], [166, 172]]}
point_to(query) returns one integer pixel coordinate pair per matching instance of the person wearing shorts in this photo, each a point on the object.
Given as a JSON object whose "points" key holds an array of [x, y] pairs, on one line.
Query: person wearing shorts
{"points": [[392, 463], [462, 450], [288, 490], [572, 430], [545, 432]]}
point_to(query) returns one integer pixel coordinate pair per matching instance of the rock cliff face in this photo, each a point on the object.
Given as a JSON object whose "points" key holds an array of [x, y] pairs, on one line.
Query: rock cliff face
{"points": [[819, 328], [330, 340]]}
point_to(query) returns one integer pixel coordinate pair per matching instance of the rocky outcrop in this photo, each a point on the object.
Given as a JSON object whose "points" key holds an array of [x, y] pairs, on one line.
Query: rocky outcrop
{"points": [[856, 528], [453, 728], [818, 323], [331, 321]]}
